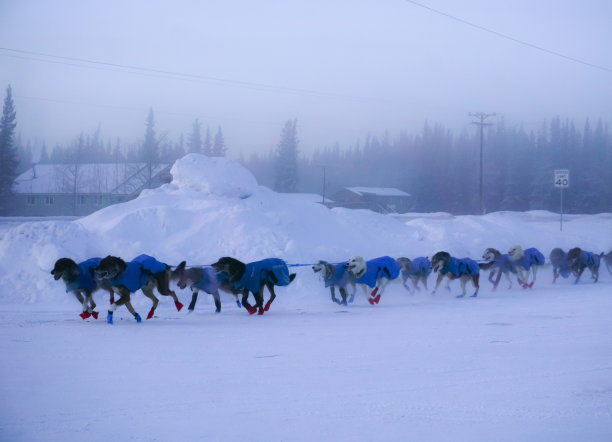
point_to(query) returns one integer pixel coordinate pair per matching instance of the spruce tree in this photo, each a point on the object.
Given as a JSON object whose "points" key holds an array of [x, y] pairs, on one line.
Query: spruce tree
{"points": [[219, 149], [286, 176], [194, 143], [150, 147], [8, 153]]}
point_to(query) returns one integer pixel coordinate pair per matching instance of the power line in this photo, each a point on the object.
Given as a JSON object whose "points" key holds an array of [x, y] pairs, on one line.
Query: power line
{"points": [[117, 67], [508, 37]]}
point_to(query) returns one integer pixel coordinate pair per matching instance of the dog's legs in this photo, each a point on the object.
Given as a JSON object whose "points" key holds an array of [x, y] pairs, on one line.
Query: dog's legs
{"points": [[77, 294], [343, 294], [84, 304], [124, 299], [463, 281], [579, 274], [352, 297], [163, 287], [89, 306], [475, 279], [148, 292], [438, 281], [332, 289], [245, 302], [534, 271], [507, 275], [217, 301], [272, 296], [194, 299]]}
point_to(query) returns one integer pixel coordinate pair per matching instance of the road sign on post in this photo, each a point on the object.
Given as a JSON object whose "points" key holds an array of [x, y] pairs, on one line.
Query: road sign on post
{"points": [[562, 178], [562, 182]]}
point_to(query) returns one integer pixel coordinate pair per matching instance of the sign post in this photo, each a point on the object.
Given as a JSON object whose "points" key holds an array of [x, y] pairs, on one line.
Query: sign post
{"points": [[562, 182]]}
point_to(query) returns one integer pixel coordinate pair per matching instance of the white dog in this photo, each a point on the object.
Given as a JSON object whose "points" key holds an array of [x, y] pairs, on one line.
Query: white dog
{"points": [[375, 273]]}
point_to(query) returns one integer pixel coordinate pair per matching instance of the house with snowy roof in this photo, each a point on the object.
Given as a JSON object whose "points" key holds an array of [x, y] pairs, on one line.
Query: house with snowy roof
{"points": [[378, 199], [81, 189]]}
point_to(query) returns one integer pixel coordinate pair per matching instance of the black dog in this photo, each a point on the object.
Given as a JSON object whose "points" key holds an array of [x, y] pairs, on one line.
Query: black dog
{"points": [[80, 281], [579, 260], [252, 277]]}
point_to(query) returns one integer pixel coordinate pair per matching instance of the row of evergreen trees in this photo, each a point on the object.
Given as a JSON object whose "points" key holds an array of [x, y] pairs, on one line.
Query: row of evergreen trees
{"points": [[441, 171]]}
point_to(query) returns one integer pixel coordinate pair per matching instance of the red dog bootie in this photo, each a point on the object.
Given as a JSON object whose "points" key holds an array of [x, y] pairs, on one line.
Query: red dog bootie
{"points": [[179, 306], [251, 309], [85, 315], [377, 298], [94, 314], [260, 311], [151, 312]]}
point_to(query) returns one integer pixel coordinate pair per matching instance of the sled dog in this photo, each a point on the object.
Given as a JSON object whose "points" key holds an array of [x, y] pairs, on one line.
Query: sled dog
{"points": [[204, 278], [143, 272], [252, 277], [80, 281], [464, 269], [579, 260], [497, 264], [417, 270], [336, 275], [524, 261], [560, 264], [375, 273]]}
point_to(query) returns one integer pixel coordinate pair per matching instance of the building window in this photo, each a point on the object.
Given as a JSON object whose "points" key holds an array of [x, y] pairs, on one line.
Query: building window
{"points": [[49, 200], [98, 200], [80, 200], [30, 200]]}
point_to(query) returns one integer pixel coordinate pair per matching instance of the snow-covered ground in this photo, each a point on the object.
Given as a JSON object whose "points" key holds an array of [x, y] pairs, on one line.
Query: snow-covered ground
{"points": [[509, 365]]}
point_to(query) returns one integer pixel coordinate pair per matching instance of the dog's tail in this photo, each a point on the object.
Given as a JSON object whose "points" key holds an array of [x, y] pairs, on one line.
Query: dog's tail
{"points": [[485, 265]]}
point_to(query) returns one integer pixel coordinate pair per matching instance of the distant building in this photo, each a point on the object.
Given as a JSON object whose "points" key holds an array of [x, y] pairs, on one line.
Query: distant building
{"points": [[81, 189], [378, 199]]}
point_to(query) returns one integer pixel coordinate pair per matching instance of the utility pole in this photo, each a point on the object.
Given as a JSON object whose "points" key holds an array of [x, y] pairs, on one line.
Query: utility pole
{"points": [[482, 117]]}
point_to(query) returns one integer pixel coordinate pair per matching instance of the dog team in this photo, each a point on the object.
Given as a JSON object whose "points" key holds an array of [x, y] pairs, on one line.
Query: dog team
{"points": [[232, 276]]}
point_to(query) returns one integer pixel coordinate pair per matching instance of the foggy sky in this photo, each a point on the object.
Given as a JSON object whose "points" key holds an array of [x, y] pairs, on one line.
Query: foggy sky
{"points": [[342, 68]]}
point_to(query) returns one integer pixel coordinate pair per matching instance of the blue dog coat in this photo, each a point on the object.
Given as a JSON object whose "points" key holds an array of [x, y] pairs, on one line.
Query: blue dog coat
{"points": [[459, 267], [589, 259], [420, 266], [209, 282], [504, 263], [532, 256], [564, 268], [150, 264], [85, 279], [132, 278], [383, 267], [339, 275], [260, 272]]}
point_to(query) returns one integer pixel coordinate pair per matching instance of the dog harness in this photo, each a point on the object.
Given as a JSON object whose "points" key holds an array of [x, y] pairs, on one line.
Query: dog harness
{"points": [[531, 257], [383, 267], [150, 264], [84, 280], [272, 270], [339, 275], [210, 280], [133, 277], [420, 266], [460, 267]]}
